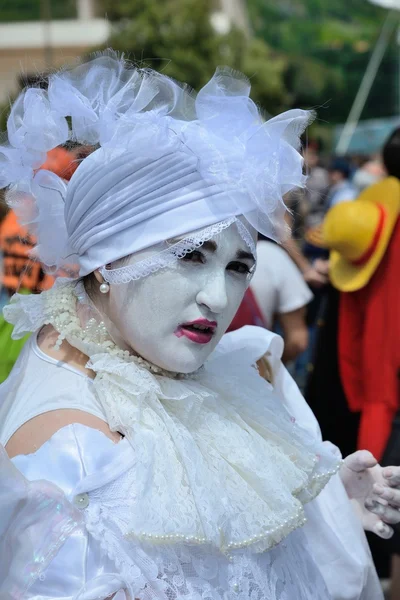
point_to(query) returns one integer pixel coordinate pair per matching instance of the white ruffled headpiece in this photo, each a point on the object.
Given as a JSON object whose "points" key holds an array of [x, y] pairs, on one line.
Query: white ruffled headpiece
{"points": [[166, 162]]}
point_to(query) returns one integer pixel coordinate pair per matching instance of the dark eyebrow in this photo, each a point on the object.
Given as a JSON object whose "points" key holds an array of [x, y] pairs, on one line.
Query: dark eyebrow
{"points": [[210, 245], [245, 255]]}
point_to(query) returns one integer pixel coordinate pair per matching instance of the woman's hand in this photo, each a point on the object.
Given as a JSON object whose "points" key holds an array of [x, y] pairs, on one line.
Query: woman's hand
{"points": [[374, 490]]}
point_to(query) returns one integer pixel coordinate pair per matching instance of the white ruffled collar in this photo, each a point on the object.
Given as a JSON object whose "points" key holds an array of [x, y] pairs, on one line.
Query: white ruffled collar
{"points": [[218, 459]]}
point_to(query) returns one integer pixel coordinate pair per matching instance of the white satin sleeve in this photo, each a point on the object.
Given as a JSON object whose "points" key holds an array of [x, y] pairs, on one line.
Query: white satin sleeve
{"points": [[333, 531], [46, 551]]}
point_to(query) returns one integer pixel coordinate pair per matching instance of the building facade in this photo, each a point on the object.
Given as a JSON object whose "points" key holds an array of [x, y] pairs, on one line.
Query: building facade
{"points": [[31, 48]]}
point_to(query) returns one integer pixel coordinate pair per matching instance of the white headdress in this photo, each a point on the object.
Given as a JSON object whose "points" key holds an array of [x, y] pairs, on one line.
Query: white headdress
{"points": [[166, 162]]}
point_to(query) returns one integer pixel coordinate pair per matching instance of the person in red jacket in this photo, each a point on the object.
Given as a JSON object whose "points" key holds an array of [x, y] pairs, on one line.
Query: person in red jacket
{"points": [[364, 239]]}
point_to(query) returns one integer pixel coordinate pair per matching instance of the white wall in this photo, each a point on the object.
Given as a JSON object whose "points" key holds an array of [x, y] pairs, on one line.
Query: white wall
{"points": [[63, 34]]}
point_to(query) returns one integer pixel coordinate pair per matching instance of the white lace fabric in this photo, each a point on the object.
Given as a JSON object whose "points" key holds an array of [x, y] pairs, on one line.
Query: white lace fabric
{"points": [[167, 257], [184, 571], [223, 429]]}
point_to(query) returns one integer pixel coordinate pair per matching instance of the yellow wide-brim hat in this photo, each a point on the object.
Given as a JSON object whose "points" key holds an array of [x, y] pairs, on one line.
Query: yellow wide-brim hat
{"points": [[358, 232]]}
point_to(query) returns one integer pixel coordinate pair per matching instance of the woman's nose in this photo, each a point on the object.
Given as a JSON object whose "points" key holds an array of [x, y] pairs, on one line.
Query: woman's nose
{"points": [[213, 294]]}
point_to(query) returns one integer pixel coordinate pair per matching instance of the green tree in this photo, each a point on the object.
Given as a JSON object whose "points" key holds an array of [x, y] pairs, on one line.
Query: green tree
{"points": [[327, 46]]}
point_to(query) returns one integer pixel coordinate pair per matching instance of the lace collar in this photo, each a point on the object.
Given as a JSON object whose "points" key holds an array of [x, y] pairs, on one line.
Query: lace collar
{"points": [[218, 460]]}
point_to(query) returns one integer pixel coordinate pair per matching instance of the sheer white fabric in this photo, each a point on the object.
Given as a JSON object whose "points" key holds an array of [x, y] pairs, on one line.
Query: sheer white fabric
{"points": [[166, 161], [35, 520]]}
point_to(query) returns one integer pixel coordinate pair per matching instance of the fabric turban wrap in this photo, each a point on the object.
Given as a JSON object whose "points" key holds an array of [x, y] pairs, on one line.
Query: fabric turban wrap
{"points": [[124, 204], [165, 162]]}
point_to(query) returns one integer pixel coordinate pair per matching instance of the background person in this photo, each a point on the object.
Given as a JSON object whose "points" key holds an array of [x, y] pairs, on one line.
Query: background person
{"points": [[21, 271], [277, 296]]}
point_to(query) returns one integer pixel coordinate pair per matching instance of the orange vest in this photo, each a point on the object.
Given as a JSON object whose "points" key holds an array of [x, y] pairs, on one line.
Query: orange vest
{"points": [[19, 269]]}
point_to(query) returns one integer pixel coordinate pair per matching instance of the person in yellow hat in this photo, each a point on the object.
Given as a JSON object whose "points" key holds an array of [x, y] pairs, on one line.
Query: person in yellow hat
{"points": [[358, 234], [364, 239]]}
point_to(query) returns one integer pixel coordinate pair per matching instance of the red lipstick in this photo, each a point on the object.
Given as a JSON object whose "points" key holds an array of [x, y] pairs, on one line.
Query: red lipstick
{"points": [[200, 331]]}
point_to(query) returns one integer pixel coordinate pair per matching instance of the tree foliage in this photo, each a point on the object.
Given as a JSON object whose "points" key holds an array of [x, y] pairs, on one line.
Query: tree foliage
{"points": [[308, 53], [327, 46]]}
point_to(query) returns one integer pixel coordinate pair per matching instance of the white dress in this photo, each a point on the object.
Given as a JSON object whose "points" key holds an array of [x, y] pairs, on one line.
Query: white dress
{"points": [[69, 499]]}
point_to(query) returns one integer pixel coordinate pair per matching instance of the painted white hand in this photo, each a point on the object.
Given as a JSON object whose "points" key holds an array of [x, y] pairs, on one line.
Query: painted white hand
{"points": [[374, 490]]}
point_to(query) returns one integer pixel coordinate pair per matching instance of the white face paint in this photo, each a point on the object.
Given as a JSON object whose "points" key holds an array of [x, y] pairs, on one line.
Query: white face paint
{"points": [[154, 316]]}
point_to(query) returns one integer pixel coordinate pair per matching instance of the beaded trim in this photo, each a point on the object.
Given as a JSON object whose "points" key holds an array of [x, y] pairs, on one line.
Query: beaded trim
{"points": [[265, 540]]}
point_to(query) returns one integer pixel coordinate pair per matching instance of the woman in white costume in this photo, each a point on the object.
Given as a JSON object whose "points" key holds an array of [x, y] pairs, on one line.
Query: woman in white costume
{"points": [[144, 456]]}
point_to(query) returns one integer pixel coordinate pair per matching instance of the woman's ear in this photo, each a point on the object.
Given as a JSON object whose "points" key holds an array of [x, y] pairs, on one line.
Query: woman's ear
{"points": [[98, 276], [104, 287]]}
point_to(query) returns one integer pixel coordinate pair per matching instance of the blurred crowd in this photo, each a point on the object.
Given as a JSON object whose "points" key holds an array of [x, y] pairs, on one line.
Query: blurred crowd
{"points": [[291, 285]]}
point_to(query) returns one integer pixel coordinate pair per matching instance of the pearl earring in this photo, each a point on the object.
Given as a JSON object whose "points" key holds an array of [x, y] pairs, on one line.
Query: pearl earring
{"points": [[104, 287]]}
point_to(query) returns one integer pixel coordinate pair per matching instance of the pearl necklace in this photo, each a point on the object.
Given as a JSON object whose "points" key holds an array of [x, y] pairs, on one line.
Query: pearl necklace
{"points": [[61, 312]]}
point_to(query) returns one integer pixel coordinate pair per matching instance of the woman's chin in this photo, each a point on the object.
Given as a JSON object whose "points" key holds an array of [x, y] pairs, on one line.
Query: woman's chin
{"points": [[184, 360], [176, 354], [181, 365]]}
